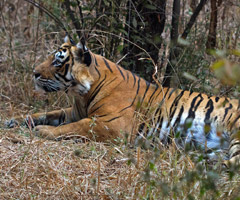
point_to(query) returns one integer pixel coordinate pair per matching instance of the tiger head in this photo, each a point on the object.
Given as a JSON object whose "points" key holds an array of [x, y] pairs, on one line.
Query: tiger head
{"points": [[66, 69]]}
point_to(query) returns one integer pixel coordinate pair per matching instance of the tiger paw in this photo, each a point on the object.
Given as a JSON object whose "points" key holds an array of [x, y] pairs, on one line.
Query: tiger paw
{"points": [[44, 131], [11, 123], [20, 121]]}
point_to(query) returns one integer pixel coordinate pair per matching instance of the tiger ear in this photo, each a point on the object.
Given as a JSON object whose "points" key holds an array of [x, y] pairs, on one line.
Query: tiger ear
{"points": [[82, 47], [82, 54], [69, 40]]}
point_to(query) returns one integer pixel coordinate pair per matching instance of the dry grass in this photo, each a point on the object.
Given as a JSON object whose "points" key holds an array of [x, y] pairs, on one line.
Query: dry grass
{"points": [[34, 168]]}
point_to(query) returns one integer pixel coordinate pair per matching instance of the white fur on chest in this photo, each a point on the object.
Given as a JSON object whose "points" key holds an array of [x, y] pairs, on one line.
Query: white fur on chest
{"points": [[81, 88]]}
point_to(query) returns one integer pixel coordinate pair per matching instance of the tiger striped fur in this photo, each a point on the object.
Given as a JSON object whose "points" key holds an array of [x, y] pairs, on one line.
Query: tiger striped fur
{"points": [[112, 98]]}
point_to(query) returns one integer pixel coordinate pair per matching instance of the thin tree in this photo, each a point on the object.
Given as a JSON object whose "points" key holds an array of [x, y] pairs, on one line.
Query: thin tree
{"points": [[174, 49], [193, 18], [211, 41], [174, 52]]}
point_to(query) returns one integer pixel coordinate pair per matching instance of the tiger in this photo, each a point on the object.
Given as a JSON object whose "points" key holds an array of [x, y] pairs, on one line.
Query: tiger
{"points": [[107, 100]]}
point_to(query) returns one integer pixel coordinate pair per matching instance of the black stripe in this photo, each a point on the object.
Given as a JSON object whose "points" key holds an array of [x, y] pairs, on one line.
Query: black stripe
{"points": [[94, 95], [56, 77], [66, 60], [66, 69], [107, 65], [234, 122], [156, 88], [63, 77], [173, 107], [104, 84], [226, 111], [190, 93], [229, 117], [151, 98], [82, 85], [159, 119], [120, 71], [134, 97], [104, 115], [179, 116], [96, 90], [65, 46], [163, 99], [113, 119], [147, 84], [233, 144], [109, 82], [95, 60], [166, 93], [99, 75], [172, 91], [127, 76], [160, 91], [236, 153], [72, 63], [209, 111], [217, 99], [138, 86], [176, 101], [193, 108], [96, 109], [134, 79], [100, 83]]}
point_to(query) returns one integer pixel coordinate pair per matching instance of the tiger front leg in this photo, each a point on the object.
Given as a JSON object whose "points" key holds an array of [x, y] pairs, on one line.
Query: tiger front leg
{"points": [[85, 128], [54, 118]]}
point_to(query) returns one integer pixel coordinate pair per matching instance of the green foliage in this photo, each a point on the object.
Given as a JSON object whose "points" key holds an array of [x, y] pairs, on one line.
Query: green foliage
{"points": [[201, 182], [226, 70]]}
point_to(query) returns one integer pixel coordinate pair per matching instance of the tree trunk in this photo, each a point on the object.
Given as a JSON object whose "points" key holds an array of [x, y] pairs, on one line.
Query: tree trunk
{"points": [[211, 41], [174, 49]]}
